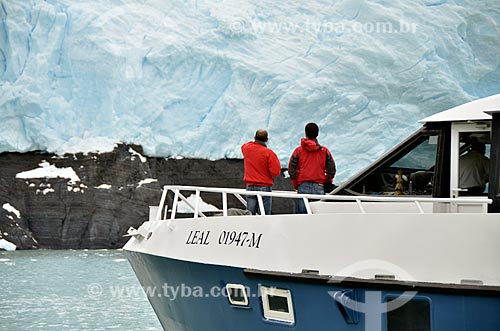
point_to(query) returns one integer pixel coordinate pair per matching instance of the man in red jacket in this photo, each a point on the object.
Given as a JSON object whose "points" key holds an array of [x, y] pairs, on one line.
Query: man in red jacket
{"points": [[311, 166], [261, 165]]}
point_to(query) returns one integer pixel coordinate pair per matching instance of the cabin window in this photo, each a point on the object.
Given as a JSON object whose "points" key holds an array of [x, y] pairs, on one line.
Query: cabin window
{"points": [[415, 315], [277, 304], [237, 294], [422, 157], [415, 161]]}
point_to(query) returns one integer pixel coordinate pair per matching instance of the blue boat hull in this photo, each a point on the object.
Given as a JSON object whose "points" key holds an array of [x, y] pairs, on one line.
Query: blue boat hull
{"points": [[187, 296]]}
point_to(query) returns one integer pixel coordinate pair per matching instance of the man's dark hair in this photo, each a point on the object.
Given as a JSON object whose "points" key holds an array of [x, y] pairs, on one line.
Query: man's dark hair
{"points": [[312, 130], [478, 146], [261, 135]]}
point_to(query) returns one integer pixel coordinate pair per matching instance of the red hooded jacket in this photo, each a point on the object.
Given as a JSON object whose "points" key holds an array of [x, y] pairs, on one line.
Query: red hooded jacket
{"points": [[311, 162], [261, 164]]}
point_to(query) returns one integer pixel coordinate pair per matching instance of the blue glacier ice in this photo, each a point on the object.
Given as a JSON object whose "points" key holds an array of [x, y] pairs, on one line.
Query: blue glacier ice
{"points": [[196, 78]]}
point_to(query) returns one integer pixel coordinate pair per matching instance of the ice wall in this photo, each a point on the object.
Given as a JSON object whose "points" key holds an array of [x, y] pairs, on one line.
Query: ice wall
{"points": [[196, 78]]}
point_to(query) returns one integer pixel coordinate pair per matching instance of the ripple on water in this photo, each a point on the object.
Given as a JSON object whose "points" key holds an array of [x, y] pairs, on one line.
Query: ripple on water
{"points": [[49, 291]]}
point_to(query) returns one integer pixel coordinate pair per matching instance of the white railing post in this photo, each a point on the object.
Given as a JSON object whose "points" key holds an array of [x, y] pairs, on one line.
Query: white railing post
{"points": [[485, 208], [419, 206], [224, 203], [306, 204], [360, 205], [175, 203], [197, 203], [261, 204], [240, 198], [162, 204]]}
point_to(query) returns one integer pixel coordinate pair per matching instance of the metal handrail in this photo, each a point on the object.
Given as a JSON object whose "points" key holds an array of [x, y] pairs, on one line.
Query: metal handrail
{"points": [[359, 200]]}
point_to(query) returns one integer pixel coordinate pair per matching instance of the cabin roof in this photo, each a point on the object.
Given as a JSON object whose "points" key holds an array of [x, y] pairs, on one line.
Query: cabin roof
{"points": [[474, 110]]}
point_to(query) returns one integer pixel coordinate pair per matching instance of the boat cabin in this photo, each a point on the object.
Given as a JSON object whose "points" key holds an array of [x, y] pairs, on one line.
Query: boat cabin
{"points": [[428, 162]]}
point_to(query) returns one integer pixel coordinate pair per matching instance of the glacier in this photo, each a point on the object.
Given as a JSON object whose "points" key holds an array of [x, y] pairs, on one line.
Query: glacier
{"points": [[196, 78]]}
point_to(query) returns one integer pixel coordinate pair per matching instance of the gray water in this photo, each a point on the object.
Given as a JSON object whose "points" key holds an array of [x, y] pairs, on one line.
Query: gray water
{"points": [[71, 290]]}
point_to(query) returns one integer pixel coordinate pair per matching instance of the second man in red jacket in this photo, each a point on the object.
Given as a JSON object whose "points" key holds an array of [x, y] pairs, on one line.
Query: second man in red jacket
{"points": [[311, 166]]}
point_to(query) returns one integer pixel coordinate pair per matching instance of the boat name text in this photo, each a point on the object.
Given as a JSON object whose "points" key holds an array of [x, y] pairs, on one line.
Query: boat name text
{"points": [[228, 238]]}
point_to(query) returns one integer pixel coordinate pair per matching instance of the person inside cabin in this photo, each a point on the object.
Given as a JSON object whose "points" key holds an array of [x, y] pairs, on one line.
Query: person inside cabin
{"points": [[474, 168], [261, 165], [311, 166]]}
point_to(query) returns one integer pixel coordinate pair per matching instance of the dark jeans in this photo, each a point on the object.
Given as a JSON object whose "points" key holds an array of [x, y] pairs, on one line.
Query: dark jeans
{"points": [[307, 188], [252, 202]]}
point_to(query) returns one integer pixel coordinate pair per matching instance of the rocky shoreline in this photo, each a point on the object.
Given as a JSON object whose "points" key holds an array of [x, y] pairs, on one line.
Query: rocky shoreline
{"points": [[113, 193]]}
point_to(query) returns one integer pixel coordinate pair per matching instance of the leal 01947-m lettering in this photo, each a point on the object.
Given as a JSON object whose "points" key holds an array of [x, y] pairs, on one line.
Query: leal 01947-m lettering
{"points": [[229, 238]]}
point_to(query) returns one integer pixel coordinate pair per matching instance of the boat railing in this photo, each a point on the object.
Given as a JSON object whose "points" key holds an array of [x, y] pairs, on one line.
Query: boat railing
{"points": [[362, 204]]}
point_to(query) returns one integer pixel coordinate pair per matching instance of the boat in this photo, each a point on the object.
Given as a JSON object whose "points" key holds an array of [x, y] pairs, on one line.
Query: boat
{"points": [[424, 257]]}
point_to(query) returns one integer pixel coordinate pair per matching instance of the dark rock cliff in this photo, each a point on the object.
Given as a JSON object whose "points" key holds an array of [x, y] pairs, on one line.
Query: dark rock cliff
{"points": [[96, 211]]}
